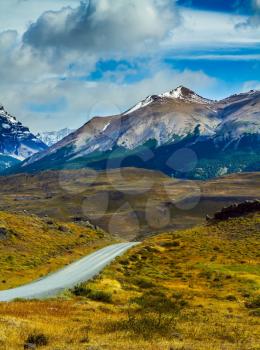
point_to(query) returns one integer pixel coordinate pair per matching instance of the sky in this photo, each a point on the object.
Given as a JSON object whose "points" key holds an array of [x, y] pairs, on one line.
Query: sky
{"points": [[63, 62]]}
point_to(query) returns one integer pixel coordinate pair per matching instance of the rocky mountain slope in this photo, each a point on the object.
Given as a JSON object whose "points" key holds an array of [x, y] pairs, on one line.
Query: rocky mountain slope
{"points": [[178, 132], [52, 137], [16, 141]]}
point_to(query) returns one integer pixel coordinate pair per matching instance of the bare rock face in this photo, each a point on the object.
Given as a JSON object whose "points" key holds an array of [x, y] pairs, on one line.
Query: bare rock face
{"points": [[236, 210]]}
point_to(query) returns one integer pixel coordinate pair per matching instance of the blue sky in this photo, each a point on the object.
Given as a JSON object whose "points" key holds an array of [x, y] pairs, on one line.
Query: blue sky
{"points": [[231, 6], [65, 61]]}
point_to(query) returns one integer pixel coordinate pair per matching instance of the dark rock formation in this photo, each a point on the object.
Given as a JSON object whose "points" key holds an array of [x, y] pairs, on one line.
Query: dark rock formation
{"points": [[235, 210]]}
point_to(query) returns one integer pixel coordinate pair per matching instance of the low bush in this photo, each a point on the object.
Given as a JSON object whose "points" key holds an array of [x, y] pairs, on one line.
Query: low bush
{"points": [[80, 291], [99, 295], [96, 295], [231, 298], [255, 313], [38, 339], [144, 283], [152, 314], [170, 244], [253, 303]]}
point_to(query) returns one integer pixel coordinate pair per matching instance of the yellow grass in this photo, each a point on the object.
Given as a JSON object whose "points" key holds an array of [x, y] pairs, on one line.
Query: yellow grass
{"points": [[31, 247], [212, 268]]}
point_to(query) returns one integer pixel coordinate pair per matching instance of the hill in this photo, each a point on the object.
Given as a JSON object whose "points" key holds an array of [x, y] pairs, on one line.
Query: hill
{"points": [[131, 203], [195, 289], [31, 247], [178, 132]]}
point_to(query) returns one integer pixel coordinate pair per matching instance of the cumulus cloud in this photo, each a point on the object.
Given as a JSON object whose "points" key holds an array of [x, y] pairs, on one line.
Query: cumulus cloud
{"points": [[104, 26], [8, 39], [17, 14], [20, 65]]}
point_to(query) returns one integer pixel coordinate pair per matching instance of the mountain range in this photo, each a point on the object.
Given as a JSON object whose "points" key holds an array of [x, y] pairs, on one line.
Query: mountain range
{"points": [[178, 132], [52, 137], [16, 141]]}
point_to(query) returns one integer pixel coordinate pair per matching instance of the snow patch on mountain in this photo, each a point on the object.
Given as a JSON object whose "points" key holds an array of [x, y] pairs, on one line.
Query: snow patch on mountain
{"points": [[140, 105], [105, 127]]}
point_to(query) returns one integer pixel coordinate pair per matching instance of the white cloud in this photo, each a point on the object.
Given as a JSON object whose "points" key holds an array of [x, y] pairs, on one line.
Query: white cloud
{"points": [[18, 14], [221, 57], [211, 30], [251, 85], [105, 26], [18, 64]]}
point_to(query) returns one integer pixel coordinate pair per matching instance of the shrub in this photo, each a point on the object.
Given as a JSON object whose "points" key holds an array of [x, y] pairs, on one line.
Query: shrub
{"points": [[205, 274], [179, 274], [253, 303], [255, 313], [153, 314], [177, 295], [97, 295], [80, 291], [38, 339], [170, 244], [84, 340], [4, 233], [144, 283], [231, 298], [63, 229], [124, 262]]}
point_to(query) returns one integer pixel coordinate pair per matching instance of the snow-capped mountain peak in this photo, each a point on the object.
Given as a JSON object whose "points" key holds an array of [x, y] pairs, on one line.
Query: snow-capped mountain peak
{"points": [[8, 116], [16, 140], [176, 93], [186, 95], [180, 93]]}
